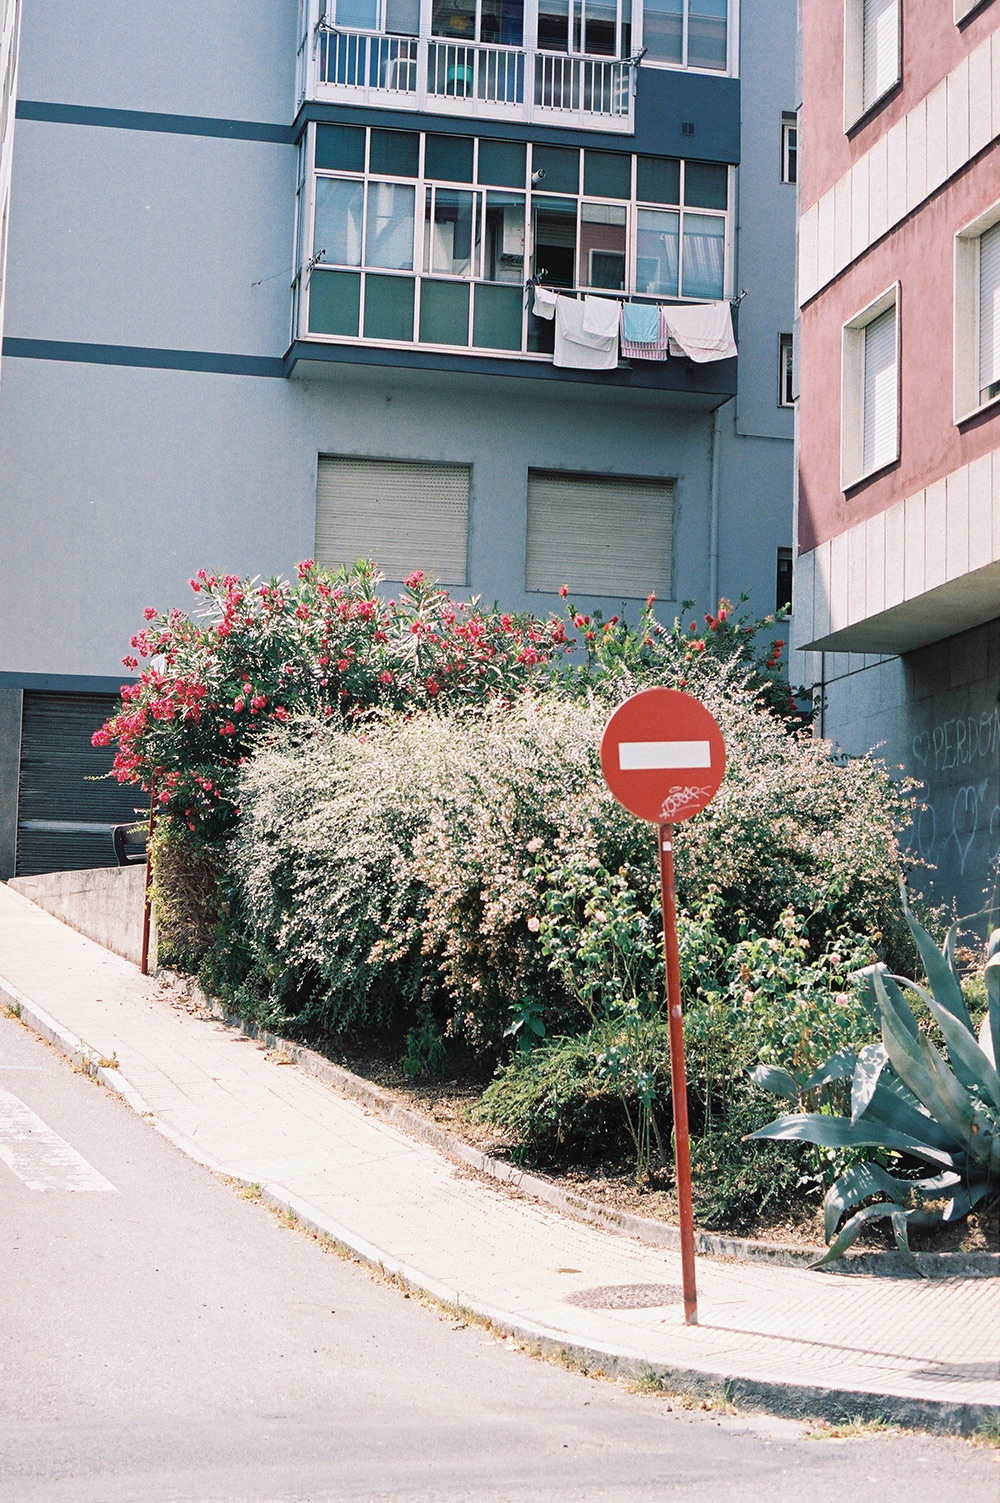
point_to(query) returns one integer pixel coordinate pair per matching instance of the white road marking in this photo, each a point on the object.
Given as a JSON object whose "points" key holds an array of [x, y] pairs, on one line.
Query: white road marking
{"points": [[39, 1156], [642, 756]]}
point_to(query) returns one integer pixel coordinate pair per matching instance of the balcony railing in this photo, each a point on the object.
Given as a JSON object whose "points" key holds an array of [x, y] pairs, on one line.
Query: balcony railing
{"points": [[463, 78]]}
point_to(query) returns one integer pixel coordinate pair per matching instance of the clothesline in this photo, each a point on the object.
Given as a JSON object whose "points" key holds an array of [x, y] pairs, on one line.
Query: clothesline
{"points": [[588, 329], [578, 292]]}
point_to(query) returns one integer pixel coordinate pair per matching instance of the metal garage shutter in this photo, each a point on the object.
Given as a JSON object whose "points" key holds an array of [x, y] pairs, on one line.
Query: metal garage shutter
{"points": [[602, 535], [403, 515], [63, 820]]}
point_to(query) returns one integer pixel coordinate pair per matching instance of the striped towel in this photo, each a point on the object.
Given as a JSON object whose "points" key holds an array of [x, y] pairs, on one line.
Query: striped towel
{"points": [[636, 319]]}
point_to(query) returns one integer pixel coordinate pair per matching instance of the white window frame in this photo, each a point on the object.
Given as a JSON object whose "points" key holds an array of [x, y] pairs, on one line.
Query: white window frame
{"points": [[789, 123], [786, 370], [965, 8], [855, 107], [852, 383], [966, 362], [731, 69]]}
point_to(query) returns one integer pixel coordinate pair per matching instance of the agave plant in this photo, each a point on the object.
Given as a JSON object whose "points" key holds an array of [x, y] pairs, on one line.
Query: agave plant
{"points": [[908, 1099]]}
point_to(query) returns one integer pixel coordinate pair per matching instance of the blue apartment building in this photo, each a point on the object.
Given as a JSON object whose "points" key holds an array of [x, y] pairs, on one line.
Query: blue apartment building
{"points": [[270, 294]]}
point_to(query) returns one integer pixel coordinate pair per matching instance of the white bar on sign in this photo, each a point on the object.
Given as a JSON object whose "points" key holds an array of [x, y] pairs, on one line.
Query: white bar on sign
{"points": [[645, 756]]}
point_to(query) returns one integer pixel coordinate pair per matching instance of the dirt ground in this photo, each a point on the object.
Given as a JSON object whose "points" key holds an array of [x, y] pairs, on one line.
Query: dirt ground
{"points": [[449, 1104]]}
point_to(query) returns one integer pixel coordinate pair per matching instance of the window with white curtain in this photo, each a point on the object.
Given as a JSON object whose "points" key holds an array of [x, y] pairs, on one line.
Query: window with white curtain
{"points": [[989, 314], [977, 314], [870, 390], [872, 60]]}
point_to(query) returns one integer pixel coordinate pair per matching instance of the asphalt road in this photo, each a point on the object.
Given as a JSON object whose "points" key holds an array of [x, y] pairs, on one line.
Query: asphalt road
{"points": [[163, 1339]]}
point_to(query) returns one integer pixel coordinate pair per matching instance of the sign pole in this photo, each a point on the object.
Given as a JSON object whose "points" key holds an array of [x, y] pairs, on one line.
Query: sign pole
{"points": [[678, 1079]]}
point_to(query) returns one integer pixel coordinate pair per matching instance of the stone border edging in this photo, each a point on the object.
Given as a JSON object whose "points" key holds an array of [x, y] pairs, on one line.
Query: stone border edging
{"points": [[645, 1228], [798, 1401]]}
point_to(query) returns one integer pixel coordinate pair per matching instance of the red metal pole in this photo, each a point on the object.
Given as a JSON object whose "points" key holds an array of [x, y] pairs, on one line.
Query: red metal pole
{"points": [[678, 1080], [144, 956]]}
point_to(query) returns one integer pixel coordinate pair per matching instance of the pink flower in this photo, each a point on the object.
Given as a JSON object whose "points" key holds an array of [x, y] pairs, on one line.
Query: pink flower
{"points": [[228, 729], [564, 590], [412, 580], [281, 713], [650, 599], [258, 702], [101, 737], [385, 677], [149, 613]]}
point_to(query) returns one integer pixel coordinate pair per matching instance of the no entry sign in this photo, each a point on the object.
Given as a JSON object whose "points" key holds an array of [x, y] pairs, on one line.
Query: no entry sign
{"points": [[663, 755]]}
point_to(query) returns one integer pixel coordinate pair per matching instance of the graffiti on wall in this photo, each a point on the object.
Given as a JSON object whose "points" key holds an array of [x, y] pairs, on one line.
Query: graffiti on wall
{"points": [[958, 761]]}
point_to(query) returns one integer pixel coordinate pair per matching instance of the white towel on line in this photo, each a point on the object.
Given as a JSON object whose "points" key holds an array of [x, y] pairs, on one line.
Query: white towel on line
{"points": [[575, 349], [544, 305], [601, 316], [702, 331]]}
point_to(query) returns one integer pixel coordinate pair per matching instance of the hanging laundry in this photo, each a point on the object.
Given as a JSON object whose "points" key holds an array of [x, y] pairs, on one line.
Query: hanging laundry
{"points": [[544, 305], [702, 331], [646, 320], [575, 349], [601, 316], [641, 323]]}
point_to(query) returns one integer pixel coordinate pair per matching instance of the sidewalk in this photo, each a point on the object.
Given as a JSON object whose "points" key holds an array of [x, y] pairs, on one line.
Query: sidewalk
{"points": [[784, 1339]]}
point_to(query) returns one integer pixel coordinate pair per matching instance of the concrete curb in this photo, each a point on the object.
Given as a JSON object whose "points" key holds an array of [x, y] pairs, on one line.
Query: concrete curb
{"points": [[658, 1233], [791, 1400]]}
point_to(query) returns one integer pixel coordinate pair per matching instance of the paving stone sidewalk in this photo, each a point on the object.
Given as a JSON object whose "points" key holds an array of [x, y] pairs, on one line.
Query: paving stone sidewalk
{"points": [[787, 1339]]}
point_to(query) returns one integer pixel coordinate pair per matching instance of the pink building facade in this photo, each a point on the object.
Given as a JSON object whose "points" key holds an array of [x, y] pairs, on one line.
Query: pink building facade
{"points": [[897, 581]]}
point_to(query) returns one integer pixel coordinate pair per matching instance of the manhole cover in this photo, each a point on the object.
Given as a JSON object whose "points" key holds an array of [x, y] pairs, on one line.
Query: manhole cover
{"points": [[626, 1296]]}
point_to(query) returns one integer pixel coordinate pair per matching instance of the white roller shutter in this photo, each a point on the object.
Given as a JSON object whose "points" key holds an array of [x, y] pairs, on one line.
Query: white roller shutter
{"points": [[881, 48], [402, 514], [602, 535], [880, 444], [989, 310]]}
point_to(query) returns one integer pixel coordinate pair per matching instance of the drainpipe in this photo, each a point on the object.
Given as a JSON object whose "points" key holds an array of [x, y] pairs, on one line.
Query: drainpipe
{"points": [[713, 523]]}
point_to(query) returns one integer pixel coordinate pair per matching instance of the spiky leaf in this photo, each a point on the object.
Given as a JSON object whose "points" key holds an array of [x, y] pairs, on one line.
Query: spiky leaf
{"points": [[839, 1066], [838, 1132], [967, 1058], [858, 1183], [943, 981], [866, 983], [870, 1063], [776, 1080]]}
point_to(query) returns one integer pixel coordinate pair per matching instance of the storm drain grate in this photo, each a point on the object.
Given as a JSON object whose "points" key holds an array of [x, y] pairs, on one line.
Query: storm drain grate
{"points": [[626, 1296]]}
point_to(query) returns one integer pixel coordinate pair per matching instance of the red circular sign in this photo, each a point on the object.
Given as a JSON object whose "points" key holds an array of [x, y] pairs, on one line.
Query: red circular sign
{"points": [[663, 755]]}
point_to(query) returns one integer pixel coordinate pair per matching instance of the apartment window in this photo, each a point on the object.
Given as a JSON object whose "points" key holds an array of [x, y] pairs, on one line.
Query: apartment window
{"points": [[789, 148], [600, 28], [687, 33], [786, 371], [870, 398], [430, 238], [600, 534], [493, 21], [403, 515], [977, 314], [397, 17], [872, 54], [783, 581]]}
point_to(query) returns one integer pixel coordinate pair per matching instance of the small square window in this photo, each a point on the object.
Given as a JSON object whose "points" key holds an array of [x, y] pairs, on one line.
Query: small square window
{"points": [[786, 371], [502, 163], [706, 185], [607, 174], [341, 147], [658, 180], [561, 166], [789, 149], [448, 158], [395, 152]]}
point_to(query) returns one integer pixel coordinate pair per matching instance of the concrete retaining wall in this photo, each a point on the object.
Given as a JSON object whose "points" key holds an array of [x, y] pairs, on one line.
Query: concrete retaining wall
{"points": [[105, 904]]}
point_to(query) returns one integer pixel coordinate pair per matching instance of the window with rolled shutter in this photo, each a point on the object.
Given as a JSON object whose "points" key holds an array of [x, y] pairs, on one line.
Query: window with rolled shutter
{"points": [[880, 46], [879, 418], [600, 534], [404, 515], [989, 314]]}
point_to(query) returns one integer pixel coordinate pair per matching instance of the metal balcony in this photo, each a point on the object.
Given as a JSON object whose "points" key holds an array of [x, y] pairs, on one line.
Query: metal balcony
{"points": [[470, 79]]}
